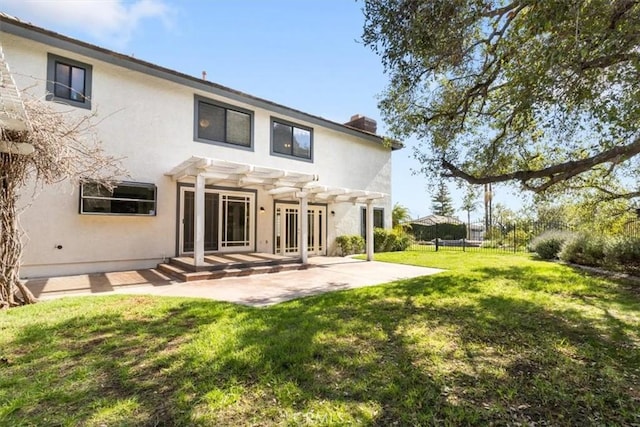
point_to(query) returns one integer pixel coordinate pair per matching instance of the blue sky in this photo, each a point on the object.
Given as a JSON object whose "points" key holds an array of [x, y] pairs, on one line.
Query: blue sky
{"points": [[305, 54]]}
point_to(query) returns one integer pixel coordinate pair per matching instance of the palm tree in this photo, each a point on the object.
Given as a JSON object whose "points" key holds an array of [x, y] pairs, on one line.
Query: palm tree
{"points": [[400, 217], [469, 204]]}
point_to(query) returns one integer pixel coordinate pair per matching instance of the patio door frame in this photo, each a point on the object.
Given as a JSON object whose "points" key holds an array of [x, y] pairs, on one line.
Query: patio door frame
{"points": [[290, 217], [222, 244]]}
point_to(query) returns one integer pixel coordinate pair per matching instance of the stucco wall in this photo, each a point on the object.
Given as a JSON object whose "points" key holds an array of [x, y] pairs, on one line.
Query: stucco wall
{"points": [[148, 122]]}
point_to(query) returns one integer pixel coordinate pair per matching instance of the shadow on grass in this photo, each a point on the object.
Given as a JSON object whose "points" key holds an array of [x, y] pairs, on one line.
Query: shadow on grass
{"points": [[426, 351]]}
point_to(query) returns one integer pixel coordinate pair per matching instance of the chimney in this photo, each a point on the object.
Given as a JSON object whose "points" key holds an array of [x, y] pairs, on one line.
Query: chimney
{"points": [[363, 123]]}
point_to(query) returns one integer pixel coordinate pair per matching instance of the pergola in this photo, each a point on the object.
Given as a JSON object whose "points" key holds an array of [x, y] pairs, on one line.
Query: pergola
{"points": [[284, 184], [12, 113]]}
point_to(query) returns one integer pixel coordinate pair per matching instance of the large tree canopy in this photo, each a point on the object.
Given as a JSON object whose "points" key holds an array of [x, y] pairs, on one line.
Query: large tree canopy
{"points": [[541, 92]]}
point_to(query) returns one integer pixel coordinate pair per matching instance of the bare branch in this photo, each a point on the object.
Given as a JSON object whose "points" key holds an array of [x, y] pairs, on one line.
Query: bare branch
{"points": [[553, 174]]}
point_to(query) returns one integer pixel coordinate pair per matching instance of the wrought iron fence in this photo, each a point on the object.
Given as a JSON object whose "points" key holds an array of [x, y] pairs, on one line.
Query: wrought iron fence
{"points": [[443, 233]]}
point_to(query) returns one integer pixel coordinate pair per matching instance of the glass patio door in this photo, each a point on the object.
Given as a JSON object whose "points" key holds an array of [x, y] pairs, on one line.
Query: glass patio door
{"points": [[228, 221], [287, 224], [210, 221]]}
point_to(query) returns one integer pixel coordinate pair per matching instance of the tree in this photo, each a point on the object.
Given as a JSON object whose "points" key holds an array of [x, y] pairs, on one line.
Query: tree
{"points": [[469, 204], [541, 93], [583, 214], [65, 147], [441, 203], [400, 217]]}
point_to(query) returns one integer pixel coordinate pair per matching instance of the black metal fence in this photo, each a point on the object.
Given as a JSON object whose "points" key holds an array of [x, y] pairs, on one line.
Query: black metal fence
{"points": [[475, 236]]}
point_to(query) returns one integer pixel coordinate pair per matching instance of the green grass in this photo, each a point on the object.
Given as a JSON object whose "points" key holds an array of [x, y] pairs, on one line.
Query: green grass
{"points": [[498, 339]]}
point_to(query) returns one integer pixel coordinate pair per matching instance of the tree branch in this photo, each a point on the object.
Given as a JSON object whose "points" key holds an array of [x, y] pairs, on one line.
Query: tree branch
{"points": [[553, 174]]}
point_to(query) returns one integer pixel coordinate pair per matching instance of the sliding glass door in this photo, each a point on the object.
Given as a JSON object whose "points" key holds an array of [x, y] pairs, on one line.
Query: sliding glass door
{"points": [[229, 219]]}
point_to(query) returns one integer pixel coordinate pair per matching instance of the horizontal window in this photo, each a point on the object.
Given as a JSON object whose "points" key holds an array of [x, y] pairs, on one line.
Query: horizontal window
{"points": [[221, 123], [291, 140], [127, 198], [69, 81]]}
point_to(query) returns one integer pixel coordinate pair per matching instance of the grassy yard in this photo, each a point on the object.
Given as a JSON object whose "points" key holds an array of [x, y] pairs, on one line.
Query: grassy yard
{"points": [[499, 339]]}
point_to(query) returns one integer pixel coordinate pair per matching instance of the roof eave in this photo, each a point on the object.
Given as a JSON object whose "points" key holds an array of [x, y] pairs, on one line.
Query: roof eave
{"points": [[20, 28]]}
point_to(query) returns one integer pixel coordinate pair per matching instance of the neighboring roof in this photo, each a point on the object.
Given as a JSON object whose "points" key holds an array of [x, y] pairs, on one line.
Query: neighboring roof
{"points": [[15, 26], [284, 183], [436, 219]]}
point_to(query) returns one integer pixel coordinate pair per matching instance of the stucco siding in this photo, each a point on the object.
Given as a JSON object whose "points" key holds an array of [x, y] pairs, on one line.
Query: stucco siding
{"points": [[148, 122]]}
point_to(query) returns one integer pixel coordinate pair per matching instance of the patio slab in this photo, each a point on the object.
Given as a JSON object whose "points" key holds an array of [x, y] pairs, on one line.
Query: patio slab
{"points": [[329, 274]]}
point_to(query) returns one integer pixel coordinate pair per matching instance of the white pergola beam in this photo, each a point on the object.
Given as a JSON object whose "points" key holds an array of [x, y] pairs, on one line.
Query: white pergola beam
{"points": [[283, 190]]}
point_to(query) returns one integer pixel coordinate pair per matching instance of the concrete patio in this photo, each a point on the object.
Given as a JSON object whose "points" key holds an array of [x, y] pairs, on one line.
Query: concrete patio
{"points": [[327, 274]]}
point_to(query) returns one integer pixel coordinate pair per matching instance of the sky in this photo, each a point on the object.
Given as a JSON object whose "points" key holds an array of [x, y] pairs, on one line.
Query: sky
{"points": [[305, 54]]}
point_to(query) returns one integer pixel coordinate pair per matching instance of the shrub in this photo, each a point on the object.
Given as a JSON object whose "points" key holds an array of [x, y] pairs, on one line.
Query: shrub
{"points": [[390, 240], [624, 254], [380, 236], [548, 244], [490, 244], [403, 241], [357, 244], [350, 244], [584, 249]]}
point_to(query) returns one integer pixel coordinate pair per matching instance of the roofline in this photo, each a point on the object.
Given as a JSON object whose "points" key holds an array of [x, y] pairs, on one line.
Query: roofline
{"points": [[15, 26]]}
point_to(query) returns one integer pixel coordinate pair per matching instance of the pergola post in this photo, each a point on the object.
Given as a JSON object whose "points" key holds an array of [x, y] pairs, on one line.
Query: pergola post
{"points": [[369, 230], [304, 227], [198, 212]]}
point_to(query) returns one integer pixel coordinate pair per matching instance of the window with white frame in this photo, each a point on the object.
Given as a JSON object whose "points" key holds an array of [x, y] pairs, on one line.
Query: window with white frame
{"points": [[126, 198]]}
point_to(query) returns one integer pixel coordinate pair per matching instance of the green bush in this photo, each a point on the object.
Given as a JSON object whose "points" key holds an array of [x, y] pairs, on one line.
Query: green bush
{"points": [[403, 241], [584, 249], [350, 244], [624, 254], [548, 244], [489, 244], [380, 236], [390, 240]]}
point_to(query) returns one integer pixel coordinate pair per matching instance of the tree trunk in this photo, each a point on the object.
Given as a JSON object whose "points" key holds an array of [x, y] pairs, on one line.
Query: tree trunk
{"points": [[12, 292]]}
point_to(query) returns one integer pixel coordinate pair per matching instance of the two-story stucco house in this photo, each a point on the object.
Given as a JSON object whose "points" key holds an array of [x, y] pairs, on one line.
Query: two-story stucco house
{"points": [[211, 170]]}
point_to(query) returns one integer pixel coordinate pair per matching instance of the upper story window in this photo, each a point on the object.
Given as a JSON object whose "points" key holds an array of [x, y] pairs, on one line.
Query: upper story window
{"points": [[69, 81], [220, 123], [291, 140]]}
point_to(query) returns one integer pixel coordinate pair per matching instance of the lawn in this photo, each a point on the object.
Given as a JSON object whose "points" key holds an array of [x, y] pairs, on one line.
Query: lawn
{"points": [[498, 339]]}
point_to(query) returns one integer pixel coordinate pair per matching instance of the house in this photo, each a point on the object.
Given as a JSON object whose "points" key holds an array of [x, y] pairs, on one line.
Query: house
{"points": [[212, 170]]}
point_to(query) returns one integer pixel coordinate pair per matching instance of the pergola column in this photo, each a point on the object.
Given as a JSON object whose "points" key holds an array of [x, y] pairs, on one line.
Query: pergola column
{"points": [[304, 226], [369, 230], [198, 212]]}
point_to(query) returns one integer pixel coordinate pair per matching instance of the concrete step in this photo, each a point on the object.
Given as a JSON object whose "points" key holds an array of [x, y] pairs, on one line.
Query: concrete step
{"points": [[189, 276], [188, 265]]}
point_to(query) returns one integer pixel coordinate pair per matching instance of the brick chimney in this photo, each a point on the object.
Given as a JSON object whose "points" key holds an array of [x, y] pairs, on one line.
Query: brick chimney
{"points": [[363, 123]]}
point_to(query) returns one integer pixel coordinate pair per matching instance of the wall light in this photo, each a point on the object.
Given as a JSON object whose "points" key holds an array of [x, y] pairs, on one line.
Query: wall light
{"points": [[333, 213], [262, 210]]}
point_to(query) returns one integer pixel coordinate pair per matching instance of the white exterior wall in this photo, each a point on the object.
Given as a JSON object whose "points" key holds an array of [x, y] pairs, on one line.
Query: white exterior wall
{"points": [[149, 122]]}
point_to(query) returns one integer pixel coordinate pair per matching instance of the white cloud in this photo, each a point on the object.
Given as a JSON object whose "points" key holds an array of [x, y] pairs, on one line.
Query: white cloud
{"points": [[112, 22]]}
